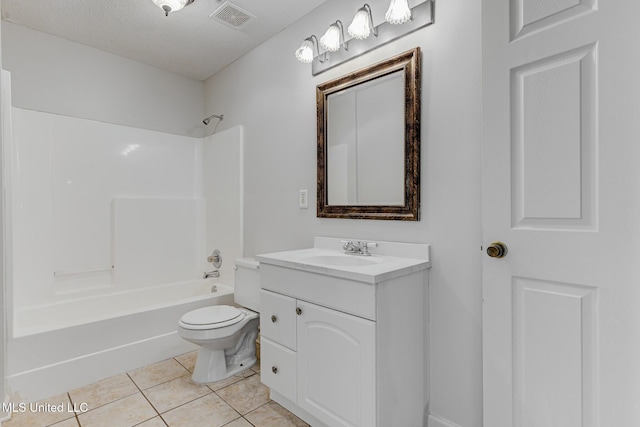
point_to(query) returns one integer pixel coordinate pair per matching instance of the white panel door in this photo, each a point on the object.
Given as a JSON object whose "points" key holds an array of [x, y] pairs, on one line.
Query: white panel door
{"points": [[561, 175]]}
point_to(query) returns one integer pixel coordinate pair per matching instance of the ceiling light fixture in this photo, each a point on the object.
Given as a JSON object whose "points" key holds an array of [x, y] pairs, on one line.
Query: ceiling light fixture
{"points": [[398, 12], [362, 24], [171, 5], [333, 38]]}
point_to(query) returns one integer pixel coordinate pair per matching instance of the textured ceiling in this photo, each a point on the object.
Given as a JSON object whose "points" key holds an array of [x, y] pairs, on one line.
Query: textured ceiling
{"points": [[186, 42]]}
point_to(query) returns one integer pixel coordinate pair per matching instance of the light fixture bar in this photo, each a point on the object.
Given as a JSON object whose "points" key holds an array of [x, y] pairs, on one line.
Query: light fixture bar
{"points": [[422, 14]]}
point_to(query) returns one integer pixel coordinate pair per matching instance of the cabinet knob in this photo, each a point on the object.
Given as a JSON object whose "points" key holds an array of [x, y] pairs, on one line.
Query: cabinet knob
{"points": [[274, 318], [274, 369], [298, 311]]}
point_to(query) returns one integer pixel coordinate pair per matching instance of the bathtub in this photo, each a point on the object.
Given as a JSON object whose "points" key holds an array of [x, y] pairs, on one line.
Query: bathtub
{"points": [[62, 346]]}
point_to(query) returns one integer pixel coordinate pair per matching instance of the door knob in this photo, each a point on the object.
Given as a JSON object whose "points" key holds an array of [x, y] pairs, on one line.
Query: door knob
{"points": [[497, 250]]}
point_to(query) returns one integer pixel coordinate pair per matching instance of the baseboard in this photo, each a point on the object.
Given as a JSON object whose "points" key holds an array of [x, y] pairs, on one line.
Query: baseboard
{"points": [[70, 374], [436, 421]]}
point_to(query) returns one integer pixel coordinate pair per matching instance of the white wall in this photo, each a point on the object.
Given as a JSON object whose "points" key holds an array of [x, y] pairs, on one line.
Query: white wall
{"points": [[273, 96], [54, 75]]}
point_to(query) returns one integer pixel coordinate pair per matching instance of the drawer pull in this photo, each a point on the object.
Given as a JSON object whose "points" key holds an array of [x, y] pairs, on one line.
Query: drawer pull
{"points": [[274, 369], [298, 311], [273, 318]]}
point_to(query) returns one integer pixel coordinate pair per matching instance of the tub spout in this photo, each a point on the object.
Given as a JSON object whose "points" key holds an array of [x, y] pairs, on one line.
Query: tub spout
{"points": [[212, 273]]}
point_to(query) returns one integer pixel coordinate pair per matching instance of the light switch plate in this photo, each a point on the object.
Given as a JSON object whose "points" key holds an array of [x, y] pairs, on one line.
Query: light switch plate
{"points": [[303, 199]]}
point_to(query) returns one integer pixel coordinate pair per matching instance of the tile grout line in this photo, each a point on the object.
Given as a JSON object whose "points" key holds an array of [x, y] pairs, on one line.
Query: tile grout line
{"points": [[75, 414], [182, 364], [147, 399], [104, 404], [253, 410]]}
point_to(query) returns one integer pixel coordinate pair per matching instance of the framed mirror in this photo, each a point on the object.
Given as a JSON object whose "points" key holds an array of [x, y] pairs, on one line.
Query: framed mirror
{"points": [[369, 142]]}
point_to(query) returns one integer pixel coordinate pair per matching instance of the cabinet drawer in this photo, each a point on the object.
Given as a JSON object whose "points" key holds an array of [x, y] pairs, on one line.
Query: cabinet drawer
{"points": [[278, 318], [348, 296], [278, 368]]}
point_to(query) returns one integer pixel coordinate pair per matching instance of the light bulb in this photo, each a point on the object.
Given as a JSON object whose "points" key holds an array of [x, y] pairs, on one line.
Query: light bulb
{"points": [[398, 12], [362, 24], [331, 39], [305, 52]]}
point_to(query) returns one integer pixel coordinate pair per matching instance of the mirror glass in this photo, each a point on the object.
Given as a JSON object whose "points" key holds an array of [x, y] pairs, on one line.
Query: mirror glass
{"points": [[369, 142], [365, 143]]}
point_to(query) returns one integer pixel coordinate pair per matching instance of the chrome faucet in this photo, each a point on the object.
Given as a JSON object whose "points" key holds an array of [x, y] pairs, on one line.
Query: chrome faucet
{"points": [[212, 273], [357, 247]]}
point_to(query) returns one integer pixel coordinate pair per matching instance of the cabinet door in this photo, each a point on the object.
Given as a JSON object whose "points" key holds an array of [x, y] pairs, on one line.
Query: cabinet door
{"points": [[336, 366]]}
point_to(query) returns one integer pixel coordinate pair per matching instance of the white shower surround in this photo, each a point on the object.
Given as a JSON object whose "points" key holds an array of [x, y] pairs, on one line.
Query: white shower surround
{"points": [[108, 231], [67, 175]]}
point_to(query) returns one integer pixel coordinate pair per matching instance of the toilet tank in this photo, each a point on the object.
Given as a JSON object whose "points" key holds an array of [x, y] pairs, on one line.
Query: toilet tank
{"points": [[247, 283]]}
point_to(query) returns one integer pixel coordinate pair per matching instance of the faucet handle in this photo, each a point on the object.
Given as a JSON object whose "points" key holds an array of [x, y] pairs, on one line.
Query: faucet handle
{"points": [[347, 244], [366, 245], [215, 258]]}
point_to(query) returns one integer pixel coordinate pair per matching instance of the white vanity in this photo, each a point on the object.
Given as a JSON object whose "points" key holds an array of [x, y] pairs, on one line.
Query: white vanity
{"points": [[344, 337]]}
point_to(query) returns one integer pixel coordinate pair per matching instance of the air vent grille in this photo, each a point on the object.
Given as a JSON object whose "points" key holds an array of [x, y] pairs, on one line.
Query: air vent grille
{"points": [[232, 15]]}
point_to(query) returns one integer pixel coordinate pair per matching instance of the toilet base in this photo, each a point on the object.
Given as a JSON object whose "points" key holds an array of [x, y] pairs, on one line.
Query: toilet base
{"points": [[210, 371], [217, 365]]}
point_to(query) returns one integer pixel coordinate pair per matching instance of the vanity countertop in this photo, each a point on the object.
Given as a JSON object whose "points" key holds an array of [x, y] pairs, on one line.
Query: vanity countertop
{"points": [[372, 269]]}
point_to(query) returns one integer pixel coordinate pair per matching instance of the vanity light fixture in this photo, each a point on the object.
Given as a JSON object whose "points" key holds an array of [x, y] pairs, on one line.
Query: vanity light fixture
{"points": [[362, 24], [334, 37], [171, 5], [305, 52], [361, 27], [398, 12]]}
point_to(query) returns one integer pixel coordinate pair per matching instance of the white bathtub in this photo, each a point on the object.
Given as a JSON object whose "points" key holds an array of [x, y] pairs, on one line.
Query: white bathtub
{"points": [[63, 346]]}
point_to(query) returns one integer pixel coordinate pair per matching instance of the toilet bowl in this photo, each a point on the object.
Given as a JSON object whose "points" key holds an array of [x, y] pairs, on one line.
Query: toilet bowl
{"points": [[226, 334]]}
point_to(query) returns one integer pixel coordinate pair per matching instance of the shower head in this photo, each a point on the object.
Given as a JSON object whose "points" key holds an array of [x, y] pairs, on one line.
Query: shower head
{"points": [[208, 119]]}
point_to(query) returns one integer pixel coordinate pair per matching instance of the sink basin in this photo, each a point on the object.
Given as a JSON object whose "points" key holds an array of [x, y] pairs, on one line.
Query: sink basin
{"points": [[338, 260]]}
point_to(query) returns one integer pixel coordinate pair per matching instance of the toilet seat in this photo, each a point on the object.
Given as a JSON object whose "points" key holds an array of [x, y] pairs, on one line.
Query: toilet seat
{"points": [[213, 317]]}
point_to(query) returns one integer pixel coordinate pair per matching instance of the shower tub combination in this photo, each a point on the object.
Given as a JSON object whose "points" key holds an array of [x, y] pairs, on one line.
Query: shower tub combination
{"points": [[119, 252], [67, 345]]}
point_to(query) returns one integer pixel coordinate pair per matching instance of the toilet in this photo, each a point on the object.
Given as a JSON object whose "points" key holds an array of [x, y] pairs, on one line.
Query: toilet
{"points": [[226, 334]]}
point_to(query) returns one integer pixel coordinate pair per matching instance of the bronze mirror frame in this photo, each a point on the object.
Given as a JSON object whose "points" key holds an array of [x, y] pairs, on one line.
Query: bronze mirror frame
{"points": [[407, 63]]}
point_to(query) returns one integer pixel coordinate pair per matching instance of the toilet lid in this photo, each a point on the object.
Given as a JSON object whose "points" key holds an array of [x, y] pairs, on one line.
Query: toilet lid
{"points": [[212, 316]]}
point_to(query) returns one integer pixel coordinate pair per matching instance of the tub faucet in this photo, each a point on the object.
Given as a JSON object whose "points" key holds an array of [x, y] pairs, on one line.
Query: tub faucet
{"points": [[212, 273]]}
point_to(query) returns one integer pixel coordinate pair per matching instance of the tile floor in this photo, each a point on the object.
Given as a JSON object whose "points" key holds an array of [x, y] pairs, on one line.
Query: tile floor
{"points": [[160, 395]]}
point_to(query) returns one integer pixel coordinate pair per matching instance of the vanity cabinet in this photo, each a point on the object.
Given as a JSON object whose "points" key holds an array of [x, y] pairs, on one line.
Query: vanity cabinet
{"points": [[330, 371], [345, 350]]}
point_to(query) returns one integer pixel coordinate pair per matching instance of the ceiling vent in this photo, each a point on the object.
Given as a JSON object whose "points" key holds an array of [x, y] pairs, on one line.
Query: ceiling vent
{"points": [[231, 15]]}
